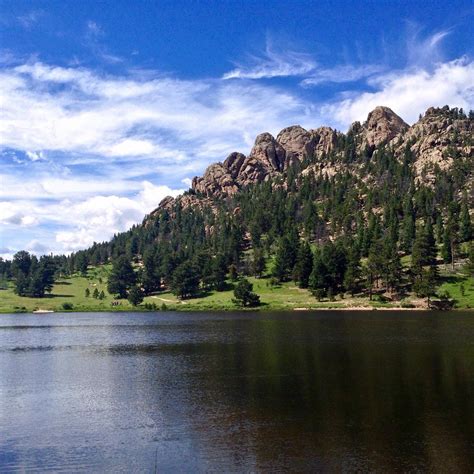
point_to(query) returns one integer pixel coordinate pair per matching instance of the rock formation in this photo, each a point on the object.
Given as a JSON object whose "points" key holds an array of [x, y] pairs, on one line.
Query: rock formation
{"points": [[435, 140], [382, 125]]}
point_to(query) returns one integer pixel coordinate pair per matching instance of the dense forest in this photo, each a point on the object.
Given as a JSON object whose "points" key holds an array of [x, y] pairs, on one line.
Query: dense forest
{"points": [[338, 220]]}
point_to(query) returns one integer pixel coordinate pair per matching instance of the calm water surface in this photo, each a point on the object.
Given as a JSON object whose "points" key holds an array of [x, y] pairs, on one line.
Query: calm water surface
{"points": [[168, 392]]}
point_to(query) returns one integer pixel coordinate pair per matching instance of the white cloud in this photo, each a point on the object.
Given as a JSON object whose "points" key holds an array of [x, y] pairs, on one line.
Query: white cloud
{"points": [[273, 63], [341, 74], [35, 155], [80, 222], [156, 117], [410, 93], [15, 214], [424, 51], [100, 217], [36, 247], [93, 142]]}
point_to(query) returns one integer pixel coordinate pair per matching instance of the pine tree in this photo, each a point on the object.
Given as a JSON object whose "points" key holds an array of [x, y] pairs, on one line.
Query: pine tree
{"points": [[353, 271], [304, 265], [439, 229], [285, 259], [431, 250], [218, 271], [258, 262], [393, 269], [81, 263], [408, 226], [446, 248], [424, 249], [243, 294], [451, 239], [95, 293], [465, 225], [334, 258], [21, 263], [376, 265], [150, 275], [135, 295], [425, 284], [186, 280], [311, 220], [122, 277], [319, 278], [21, 284]]}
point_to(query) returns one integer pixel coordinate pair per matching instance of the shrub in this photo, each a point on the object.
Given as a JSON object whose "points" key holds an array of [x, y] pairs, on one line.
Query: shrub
{"points": [[243, 295]]}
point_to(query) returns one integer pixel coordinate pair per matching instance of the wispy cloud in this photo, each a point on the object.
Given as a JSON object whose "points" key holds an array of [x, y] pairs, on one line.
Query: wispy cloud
{"points": [[423, 50], [93, 30], [120, 116], [29, 19], [79, 135], [93, 39], [341, 74], [273, 63]]}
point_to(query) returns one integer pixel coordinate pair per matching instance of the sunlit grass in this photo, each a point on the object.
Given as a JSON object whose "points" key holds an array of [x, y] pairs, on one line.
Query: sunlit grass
{"points": [[286, 296]]}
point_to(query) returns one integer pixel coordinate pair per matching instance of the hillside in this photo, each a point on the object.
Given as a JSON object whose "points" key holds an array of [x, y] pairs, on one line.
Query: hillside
{"points": [[382, 213]]}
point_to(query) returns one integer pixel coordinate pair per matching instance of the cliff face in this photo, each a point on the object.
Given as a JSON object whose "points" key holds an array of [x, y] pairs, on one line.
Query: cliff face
{"points": [[436, 141]]}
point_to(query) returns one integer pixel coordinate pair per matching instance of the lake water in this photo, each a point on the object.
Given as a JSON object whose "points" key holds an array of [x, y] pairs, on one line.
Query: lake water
{"points": [[167, 392]]}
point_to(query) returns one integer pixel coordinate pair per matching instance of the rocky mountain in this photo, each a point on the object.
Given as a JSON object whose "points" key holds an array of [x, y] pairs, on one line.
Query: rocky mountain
{"points": [[441, 139], [362, 199]]}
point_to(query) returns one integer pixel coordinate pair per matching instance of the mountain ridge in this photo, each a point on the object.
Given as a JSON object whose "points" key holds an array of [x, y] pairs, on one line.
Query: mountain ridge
{"points": [[439, 137]]}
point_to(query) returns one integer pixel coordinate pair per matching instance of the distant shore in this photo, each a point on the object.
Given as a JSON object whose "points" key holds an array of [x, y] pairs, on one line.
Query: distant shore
{"points": [[196, 309]]}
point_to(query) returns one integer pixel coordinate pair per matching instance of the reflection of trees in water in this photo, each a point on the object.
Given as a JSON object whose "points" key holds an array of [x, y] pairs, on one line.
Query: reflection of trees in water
{"points": [[341, 393]]}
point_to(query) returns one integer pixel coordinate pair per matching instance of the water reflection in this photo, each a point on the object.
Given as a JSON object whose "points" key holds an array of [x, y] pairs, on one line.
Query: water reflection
{"points": [[331, 391]]}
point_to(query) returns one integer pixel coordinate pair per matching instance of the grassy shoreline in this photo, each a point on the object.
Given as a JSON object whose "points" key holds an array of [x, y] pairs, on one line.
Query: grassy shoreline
{"points": [[286, 297]]}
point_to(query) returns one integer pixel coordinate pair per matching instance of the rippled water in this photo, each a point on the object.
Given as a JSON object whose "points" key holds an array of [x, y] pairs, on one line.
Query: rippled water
{"points": [[167, 392]]}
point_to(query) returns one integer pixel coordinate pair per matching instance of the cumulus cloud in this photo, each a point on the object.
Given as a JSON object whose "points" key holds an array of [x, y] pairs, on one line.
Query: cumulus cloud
{"points": [[410, 92], [79, 223], [100, 217], [36, 247], [15, 214]]}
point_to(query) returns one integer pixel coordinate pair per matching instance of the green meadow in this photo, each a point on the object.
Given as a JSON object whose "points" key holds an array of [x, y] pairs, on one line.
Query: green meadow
{"points": [[70, 294]]}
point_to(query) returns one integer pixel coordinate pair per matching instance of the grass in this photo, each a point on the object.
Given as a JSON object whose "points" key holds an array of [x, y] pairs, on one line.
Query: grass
{"points": [[286, 296], [453, 284], [283, 297], [66, 290]]}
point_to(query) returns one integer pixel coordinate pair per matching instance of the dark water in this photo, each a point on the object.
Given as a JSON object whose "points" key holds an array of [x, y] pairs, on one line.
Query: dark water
{"points": [[166, 392]]}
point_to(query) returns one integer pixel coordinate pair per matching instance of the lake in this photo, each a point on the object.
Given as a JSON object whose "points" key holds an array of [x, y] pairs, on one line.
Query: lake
{"points": [[318, 391]]}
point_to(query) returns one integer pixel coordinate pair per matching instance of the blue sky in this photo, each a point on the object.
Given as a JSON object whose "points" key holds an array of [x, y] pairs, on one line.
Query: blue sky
{"points": [[109, 106]]}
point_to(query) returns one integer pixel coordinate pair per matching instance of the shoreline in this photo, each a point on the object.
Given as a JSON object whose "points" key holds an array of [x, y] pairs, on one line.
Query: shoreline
{"points": [[233, 310]]}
